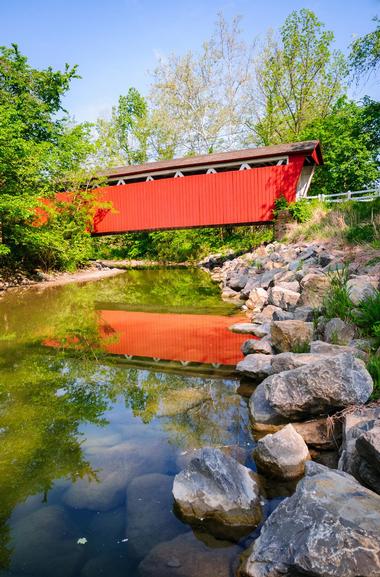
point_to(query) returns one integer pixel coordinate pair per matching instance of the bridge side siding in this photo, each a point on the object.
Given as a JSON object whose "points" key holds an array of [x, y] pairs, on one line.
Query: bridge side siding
{"points": [[234, 197]]}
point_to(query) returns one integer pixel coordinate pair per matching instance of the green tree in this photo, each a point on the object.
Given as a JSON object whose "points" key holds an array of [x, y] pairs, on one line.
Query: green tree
{"points": [[41, 153], [123, 139], [365, 52], [350, 137], [299, 78]]}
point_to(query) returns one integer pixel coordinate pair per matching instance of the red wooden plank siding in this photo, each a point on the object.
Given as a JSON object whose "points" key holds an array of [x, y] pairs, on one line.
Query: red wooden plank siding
{"points": [[200, 200]]}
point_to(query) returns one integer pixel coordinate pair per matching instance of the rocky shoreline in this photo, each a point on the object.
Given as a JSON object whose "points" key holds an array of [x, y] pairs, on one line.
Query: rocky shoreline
{"points": [[309, 389]]}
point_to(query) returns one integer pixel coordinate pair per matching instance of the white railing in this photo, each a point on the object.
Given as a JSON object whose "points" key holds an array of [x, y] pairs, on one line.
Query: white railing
{"points": [[366, 195]]}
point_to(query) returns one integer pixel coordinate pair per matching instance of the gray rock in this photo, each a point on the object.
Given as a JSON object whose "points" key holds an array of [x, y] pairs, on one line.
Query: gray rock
{"points": [[187, 556], [149, 514], [322, 348], [281, 315], [290, 361], [330, 527], [262, 346], [45, 543], [266, 315], [267, 277], [320, 387], [217, 491], [258, 297], [283, 298], [256, 366], [314, 289], [356, 425], [338, 332], [360, 287], [238, 281], [291, 335], [250, 329], [307, 254], [368, 446], [282, 454], [295, 265], [304, 313], [252, 282], [262, 414], [230, 294], [97, 495]]}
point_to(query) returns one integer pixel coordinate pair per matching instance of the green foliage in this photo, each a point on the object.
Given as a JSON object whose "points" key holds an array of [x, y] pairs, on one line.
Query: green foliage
{"points": [[367, 316], [182, 245], [299, 78], [301, 347], [337, 302], [361, 233], [373, 367], [350, 137], [301, 210], [280, 204], [365, 51], [41, 153]]}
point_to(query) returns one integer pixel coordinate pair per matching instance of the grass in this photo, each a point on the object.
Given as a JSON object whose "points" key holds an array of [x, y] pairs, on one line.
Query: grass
{"points": [[373, 366], [337, 302]]}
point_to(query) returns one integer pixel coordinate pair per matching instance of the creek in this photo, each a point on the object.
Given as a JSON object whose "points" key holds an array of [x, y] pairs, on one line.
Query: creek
{"points": [[106, 388]]}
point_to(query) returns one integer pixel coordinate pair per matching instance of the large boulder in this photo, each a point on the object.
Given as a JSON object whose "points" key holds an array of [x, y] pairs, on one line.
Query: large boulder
{"points": [[283, 297], [282, 454], [360, 287], [187, 556], [330, 527], [314, 288], [319, 387], [289, 361], [266, 315], [256, 366], [291, 335], [217, 492]]}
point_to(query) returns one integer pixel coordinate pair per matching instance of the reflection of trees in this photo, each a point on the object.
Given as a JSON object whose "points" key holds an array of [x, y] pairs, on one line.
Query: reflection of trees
{"points": [[42, 405]]}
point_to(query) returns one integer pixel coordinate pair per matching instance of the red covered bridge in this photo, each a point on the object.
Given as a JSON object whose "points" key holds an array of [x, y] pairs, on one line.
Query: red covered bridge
{"points": [[216, 189]]}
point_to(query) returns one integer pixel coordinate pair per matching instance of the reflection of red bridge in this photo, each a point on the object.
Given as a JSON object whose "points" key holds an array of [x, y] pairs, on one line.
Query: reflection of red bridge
{"points": [[172, 337], [216, 189]]}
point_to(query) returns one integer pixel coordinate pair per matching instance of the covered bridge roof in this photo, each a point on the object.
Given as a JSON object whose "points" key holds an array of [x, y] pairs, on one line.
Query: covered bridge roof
{"points": [[309, 148]]}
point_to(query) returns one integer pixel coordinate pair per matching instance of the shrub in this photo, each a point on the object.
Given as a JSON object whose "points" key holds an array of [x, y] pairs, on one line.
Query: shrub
{"points": [[302, 210], [367, 317], [337, 302], [361, 233]]}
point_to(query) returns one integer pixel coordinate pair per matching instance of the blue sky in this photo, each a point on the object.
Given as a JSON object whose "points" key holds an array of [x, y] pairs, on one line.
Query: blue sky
{"points": [[116, 42]]}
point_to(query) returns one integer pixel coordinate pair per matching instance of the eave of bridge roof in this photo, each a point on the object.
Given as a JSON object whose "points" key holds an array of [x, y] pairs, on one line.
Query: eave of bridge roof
{"points": [[307, 148]]}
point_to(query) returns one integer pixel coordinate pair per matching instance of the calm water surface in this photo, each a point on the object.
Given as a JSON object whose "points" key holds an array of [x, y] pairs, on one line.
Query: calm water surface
{"points": [[106, 389]]}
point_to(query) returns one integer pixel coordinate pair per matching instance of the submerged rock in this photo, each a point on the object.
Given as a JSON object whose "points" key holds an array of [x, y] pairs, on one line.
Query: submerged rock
{"points": [[187, 556], [181, 400], [330, 527], [218, 492], [149, 514], [282, 454], [319, 387]]}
